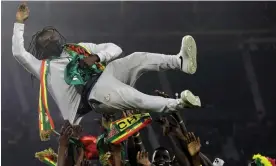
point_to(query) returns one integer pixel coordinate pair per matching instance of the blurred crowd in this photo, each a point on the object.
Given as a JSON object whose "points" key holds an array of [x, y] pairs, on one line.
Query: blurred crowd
{"points": [[223, 143]]}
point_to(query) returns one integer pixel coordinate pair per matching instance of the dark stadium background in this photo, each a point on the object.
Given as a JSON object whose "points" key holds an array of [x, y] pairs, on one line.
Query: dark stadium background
{"points": [[235, 78]]}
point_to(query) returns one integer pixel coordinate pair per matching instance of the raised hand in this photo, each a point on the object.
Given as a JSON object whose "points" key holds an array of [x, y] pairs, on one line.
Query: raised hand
{"points": [[22, 13], [128, 113], [66, 133], [170, 129], [193, 143], [166, 127], [90, 60], [105, 122], [143, 158], [77, 130]]}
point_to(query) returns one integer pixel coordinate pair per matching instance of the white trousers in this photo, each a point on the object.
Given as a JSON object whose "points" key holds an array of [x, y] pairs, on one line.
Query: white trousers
{"points": [[115, 86]]}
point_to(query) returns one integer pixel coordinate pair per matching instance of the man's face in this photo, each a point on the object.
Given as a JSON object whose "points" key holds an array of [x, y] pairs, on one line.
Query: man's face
{"points": [[49, 43], [161, 158]]}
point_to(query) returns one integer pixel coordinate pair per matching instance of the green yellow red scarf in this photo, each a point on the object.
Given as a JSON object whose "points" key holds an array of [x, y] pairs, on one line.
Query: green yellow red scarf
{"points": [[122, 129], [74, 74], [263, 160], [47, 156], [46, 124]]}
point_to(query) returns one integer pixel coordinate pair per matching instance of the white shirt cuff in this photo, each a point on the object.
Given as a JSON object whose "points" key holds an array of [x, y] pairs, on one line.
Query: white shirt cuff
{"points": [[19, 26]]}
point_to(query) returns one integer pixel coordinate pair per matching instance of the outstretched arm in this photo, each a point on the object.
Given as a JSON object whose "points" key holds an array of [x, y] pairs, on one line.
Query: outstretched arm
{"points": [[65, 134], [143, 158], [193, 147], [105, 51], [28, 61], [80, 157], [205, 160], [179, 154]]}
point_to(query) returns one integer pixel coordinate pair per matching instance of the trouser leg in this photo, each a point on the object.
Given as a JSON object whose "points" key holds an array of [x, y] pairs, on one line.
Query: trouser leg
{"points": [[131, 67]]}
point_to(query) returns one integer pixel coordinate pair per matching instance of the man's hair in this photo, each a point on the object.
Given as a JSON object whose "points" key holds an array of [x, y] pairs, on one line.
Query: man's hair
{"points": [[40, 41], [162, 149], [46, 43]]}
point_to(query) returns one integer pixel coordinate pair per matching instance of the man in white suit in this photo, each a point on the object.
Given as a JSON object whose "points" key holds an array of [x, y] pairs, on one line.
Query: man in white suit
{"points": [[114, 87]]}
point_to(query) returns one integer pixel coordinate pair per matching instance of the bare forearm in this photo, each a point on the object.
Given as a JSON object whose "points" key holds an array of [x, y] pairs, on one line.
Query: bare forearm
{"points": [[205, 160], [181, 140], [196, 160], [61, 155], [117, 160], [138, 142], [180, 156], [80, 158]]}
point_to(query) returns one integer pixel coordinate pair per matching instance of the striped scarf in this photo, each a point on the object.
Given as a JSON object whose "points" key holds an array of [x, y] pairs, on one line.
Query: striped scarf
{"points": [[263, 160], [46, 124], [74, 74], [122, 129], [47, 156]]}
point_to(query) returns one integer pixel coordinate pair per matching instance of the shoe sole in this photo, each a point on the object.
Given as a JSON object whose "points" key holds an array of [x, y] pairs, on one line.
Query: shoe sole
{"points": [[190, 99], [190, 50]]}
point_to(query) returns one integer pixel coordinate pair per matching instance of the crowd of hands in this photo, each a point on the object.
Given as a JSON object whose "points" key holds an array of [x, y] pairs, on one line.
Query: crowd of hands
{"points": [[185, 146]]}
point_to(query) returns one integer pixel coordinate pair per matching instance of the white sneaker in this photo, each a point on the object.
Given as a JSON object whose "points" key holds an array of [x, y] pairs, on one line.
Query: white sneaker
{"points": [[187, 55], [189, 99]]}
